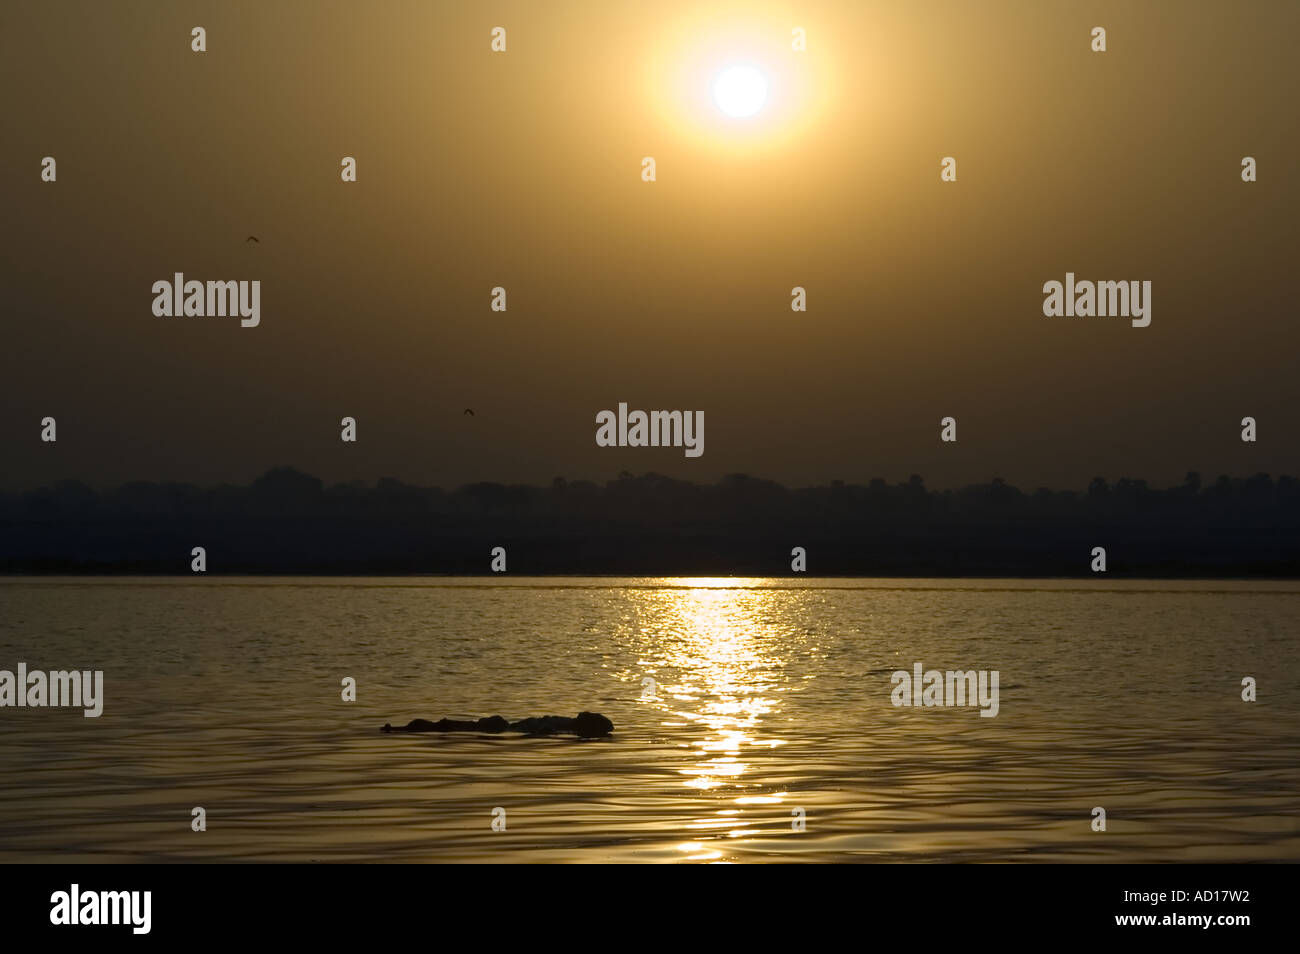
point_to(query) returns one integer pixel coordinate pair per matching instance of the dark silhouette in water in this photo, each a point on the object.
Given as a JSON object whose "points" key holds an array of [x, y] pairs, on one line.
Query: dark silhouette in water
{"points": [[588, 725]]}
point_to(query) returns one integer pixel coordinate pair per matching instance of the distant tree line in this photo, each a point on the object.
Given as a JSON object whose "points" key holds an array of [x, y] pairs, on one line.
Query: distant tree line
{"points": [[287, 521]]}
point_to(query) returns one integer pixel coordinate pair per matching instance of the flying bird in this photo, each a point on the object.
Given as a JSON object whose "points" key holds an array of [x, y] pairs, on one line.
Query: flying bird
{"points": [[253, 238], [469, 411]]}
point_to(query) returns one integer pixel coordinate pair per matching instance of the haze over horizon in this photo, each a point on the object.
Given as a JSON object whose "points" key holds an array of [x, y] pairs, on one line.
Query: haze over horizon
{"points": [[1108, 482], [478, 170]]}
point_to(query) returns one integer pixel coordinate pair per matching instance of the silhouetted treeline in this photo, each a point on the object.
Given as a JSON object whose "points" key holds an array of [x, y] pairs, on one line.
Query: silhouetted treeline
{"points": [[290, 522]]}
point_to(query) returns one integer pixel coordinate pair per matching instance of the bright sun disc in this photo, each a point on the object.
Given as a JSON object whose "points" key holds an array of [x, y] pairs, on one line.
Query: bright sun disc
{"points": [[740, 91]]}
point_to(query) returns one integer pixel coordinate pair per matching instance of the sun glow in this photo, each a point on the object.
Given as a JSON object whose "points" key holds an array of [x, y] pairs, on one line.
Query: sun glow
{"points": [[734, 82]]}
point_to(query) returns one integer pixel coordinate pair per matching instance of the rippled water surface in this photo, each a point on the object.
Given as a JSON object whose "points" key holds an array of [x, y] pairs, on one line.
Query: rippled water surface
{"points": [[770, 700]]}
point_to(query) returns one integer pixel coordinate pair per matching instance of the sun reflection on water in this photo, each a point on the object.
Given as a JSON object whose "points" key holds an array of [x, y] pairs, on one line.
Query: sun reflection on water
{"points": [[718, 656]]}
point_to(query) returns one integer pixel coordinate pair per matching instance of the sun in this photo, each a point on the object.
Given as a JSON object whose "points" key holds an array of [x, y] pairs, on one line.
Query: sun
{"points": [[736, 86], [740, 91]]}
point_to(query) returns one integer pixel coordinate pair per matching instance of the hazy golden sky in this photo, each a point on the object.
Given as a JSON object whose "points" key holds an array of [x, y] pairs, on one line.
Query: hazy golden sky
{"points": [[522, 169]]}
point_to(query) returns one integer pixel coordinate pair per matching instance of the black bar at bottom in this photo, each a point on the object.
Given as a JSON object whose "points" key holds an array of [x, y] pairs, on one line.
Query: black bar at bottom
{"points": [[1224, 904]]}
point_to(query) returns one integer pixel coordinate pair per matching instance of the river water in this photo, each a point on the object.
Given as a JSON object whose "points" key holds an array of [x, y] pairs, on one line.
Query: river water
{"points": [[753, 717]]}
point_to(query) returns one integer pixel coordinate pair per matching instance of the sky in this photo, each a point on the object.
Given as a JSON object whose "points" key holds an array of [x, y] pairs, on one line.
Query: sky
{"points": [[523, 169]]}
